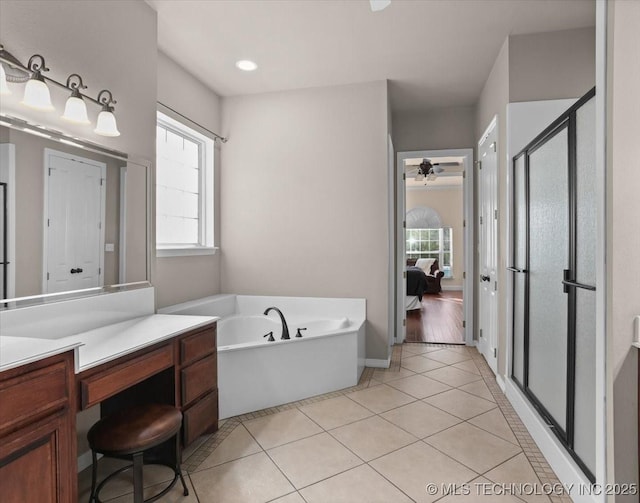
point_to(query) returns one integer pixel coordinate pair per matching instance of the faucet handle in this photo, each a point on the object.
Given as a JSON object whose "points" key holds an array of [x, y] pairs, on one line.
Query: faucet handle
{"points": [[298, 333], [270, 336]]}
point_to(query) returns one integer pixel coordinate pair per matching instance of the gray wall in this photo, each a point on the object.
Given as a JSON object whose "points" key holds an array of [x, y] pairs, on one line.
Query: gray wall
{"points": [[623, 241], [438, 129], [554, 65], [304, 209], [178, 279]]}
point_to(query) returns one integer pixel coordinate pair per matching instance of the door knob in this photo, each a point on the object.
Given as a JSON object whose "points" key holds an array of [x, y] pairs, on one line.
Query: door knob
{"points": [[73, 271], [485, 278]]}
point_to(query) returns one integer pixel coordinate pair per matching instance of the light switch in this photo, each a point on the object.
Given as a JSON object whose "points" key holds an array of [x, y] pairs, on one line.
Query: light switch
{"points": [[109, 247]]}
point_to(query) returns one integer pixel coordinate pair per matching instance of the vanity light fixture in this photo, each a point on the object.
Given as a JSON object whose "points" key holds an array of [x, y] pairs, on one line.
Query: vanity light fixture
{"points": [[4, 88], [106, 125], [36, 92], [75, 109], [246, 65], [38, 96]]}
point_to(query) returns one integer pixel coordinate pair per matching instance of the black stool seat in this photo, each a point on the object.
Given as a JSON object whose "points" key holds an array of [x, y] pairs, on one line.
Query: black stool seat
{"points": [[129, 433]]}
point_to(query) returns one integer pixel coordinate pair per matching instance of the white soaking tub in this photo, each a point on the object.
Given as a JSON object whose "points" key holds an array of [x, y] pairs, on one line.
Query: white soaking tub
{"points": [[254, 373]]}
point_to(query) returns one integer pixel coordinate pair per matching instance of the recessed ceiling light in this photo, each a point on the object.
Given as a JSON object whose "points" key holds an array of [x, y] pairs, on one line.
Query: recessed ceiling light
{"points": [[246, 65]]}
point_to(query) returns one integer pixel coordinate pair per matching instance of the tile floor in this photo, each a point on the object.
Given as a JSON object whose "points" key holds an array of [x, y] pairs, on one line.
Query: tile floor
{"points": [[435, 416]]}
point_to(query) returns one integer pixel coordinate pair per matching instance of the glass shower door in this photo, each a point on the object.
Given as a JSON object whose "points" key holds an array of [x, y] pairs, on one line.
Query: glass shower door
{"points": [[548, 258]]}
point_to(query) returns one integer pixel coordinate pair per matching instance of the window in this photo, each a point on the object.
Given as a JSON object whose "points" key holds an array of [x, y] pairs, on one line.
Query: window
{"points": [[431, 243], [184, 190]]}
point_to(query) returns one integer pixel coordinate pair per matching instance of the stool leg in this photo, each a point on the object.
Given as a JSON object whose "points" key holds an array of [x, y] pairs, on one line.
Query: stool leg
{"points": [[138, 482], [178, 468], [94, 476]]}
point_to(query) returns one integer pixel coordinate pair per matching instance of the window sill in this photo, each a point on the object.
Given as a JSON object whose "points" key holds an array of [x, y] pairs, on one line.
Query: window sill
{"points": [[186, 252]]}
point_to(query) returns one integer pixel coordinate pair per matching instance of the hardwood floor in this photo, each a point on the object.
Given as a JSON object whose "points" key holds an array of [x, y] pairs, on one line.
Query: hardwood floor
{"points": [[439, 319]]}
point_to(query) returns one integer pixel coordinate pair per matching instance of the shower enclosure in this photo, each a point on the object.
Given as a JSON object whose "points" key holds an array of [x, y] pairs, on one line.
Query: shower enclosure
{"points": [[554, 268]]}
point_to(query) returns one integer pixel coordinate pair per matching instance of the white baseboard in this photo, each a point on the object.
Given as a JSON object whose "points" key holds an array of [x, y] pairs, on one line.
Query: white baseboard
{"points": [[563, 465], [451, 288], [500, 381], [378, 363]]}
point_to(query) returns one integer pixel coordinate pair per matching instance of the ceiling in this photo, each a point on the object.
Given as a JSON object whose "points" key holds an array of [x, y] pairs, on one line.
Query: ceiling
{"points": [[435, 53]]}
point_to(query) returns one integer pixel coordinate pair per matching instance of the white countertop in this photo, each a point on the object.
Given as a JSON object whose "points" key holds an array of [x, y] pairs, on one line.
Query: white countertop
{"points": [[100, 345]]}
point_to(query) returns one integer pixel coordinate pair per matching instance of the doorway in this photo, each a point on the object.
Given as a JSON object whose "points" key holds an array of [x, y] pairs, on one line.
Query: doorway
{"points": [[434, 242]]}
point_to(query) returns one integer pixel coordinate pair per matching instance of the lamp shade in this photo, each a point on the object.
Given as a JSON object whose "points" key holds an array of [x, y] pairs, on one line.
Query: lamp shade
{"points": [[36, 95], [106, 124], [76, 111], [4, 88]]}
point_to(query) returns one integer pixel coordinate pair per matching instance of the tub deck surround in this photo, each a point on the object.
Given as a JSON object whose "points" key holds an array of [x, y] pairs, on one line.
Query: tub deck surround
{"points": [[254, 373]]}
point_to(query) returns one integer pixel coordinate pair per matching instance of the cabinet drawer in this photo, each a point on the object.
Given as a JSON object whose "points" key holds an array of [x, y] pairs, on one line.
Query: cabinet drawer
{"points": [[33, 394], [108, 382], [201, 417], [197, 345], [199, 378]]}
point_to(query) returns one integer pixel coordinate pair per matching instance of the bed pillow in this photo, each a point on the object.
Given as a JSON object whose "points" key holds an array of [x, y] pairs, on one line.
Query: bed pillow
{"points": [[425, 264]]}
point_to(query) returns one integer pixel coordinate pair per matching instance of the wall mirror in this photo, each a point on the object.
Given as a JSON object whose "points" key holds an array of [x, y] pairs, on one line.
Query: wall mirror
{"points": [[74, 217]]}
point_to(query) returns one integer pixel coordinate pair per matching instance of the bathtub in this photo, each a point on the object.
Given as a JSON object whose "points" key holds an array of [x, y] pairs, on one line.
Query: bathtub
{"points": [[255, 374]]}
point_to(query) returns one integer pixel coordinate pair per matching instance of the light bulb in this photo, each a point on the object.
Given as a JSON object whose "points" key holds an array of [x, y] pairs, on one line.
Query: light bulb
{"points": [[75, 110], [36, 95], [106, 124], [4, 88]]}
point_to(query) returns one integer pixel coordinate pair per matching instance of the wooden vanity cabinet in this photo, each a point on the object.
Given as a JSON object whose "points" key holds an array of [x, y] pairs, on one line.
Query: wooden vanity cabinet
{"points": [[198, 377], [37, 432]]}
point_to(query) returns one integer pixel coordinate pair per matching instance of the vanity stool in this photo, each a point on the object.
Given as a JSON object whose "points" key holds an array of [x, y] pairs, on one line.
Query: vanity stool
{"points": [[128, 434]]}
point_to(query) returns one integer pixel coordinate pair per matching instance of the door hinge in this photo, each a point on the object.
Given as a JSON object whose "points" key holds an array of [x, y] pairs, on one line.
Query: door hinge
{"points": [[464, 323], [404, 322], [495, 352], [48, 222], [99, 271], [49, 171], [404, 224], [404, 275], [481, 333], [404, 176], [495, 286], [464, 174], [493, 146], [479, 164], [495, 214], [464, 223], [47, 276], [101, 181], [480, 219], [464, 274], [99, 225]]}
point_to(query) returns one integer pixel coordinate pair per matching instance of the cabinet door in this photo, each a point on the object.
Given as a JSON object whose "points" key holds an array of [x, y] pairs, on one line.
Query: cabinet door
{"points": [[34, 464]]}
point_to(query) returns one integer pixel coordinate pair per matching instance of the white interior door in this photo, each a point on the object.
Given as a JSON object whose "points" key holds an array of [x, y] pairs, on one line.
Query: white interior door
{"points": [[488, 242], [74, 230]]}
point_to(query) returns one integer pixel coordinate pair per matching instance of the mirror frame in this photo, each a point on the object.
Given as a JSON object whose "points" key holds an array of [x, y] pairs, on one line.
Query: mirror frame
{"points": [[22, 125]]}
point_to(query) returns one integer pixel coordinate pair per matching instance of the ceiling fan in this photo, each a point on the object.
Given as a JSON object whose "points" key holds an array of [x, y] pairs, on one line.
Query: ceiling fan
{"points": [[430, 171], [378, 5]]}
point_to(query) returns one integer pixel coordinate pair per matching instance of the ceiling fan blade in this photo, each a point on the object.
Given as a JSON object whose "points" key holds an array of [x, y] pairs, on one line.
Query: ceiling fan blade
{"points": [[378, 5]]}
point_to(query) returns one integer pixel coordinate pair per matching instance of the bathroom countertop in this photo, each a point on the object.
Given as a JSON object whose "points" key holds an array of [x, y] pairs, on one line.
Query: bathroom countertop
{"points": [[100, 345]]}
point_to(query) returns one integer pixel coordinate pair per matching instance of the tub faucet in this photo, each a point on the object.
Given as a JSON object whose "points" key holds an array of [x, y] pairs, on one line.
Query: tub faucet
{"points": [[285, 328]]}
